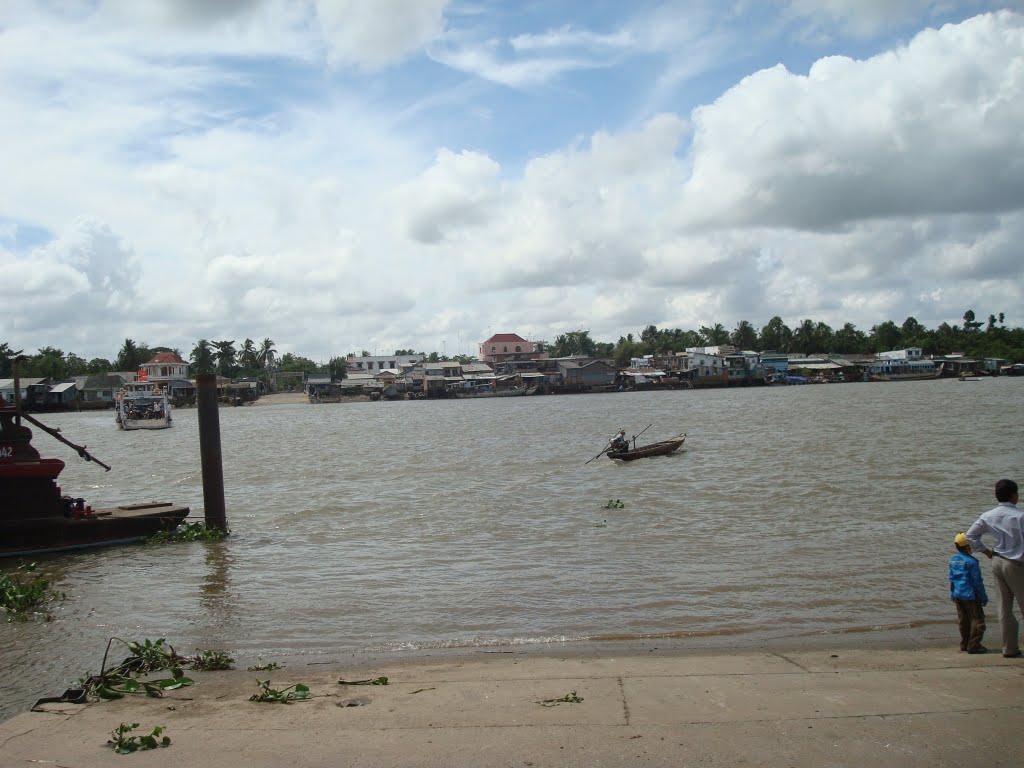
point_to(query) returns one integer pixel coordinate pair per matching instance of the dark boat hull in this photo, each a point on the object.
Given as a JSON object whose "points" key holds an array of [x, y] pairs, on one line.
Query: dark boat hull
{"points": [[103, 527], [36, 518], [663, 448]]}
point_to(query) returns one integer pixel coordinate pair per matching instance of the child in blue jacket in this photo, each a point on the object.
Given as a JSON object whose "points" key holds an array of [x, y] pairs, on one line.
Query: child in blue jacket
{"points": [[967, 590]]}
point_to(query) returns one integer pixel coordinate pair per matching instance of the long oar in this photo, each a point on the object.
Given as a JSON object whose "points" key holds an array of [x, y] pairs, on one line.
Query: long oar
{"points": [[603, 450], [641, 432]]}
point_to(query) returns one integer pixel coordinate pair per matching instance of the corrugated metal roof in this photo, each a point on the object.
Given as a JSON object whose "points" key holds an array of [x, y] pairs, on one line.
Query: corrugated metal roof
{"points": [[797, 365]]}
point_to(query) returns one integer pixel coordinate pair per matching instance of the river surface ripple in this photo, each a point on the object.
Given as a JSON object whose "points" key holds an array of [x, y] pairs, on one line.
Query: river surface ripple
{"points": [[388, 527]]}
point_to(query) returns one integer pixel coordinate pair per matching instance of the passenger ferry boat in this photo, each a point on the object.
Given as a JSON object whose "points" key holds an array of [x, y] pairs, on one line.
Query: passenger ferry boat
{"points": [[141, 405]]}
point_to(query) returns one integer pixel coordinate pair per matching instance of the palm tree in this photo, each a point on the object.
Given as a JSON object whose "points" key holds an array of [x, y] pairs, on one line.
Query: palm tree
{"points": [[225, 356], [776, 336], [744, 336], [848, 339], [715, 335], [249, 357], [130, 357], [266, 353], [202, 357], [804, 337]]}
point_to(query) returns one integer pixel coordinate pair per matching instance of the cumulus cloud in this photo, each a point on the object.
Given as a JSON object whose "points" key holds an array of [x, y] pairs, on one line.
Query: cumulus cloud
{"points": [[379, 33], [930, 128], [86, 278], [455, 192], [291, 172]]}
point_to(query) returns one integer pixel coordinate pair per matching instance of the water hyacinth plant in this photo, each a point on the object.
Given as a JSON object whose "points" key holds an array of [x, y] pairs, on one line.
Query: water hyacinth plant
{"points": [[123, 743], [22, 593]]}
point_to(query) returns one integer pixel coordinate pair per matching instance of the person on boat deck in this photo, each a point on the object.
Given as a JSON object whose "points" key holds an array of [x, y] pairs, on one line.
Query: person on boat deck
{"points": [[619, 442]]}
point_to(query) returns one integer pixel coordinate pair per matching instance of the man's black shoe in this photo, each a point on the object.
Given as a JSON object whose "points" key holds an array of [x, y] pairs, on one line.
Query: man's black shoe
{"points": [[979, 649], [1016, 655]]}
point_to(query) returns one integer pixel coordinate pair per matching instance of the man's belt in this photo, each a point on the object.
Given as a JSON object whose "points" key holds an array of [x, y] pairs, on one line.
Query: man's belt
{"points": [[1008, 559]]}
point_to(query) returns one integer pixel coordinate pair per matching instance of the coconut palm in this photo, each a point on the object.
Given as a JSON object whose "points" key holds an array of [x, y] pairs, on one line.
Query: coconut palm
{"points": [[202, 357], [266, 353], [744, 336], [226, 356], [249, 356], [131, 356]]}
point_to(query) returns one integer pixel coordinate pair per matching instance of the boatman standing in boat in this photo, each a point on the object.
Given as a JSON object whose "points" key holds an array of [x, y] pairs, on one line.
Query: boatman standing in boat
{"points": [[619, 442]]}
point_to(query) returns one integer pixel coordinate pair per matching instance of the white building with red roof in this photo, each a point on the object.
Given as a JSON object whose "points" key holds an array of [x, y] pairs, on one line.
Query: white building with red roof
{"points": [[165, 367]]}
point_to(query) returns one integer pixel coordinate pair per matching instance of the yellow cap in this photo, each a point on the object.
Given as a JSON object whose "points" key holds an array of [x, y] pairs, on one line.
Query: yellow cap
{"points": [[961, 540]]}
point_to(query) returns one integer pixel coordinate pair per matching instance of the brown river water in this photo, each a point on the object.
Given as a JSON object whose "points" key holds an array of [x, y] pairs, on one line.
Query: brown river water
{"points": [[393, 527]]}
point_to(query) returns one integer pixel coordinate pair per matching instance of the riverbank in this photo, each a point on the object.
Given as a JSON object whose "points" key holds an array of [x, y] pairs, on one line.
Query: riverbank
{"points": [[282, 398], [645, 705]]}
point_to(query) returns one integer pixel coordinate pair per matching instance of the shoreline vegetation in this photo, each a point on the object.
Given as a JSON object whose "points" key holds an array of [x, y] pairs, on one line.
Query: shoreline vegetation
{"points": [[977, 338]]}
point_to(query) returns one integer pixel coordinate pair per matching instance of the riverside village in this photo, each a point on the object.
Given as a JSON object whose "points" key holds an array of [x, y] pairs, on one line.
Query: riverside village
{"points": [[507, 365]]}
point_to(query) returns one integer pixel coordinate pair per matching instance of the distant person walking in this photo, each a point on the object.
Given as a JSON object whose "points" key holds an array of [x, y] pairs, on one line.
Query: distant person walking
{"points": [[1005, 525], [967, 591]]}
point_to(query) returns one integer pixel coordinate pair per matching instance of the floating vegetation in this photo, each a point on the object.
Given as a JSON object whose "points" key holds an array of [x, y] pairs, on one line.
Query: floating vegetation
{"points": [[208, 661], [615, 504], [114, 685], [22, 593], [146, 657], [372, 681], [124, 744], [258, 667], [149, 655], [570, 698], [188, 532], [602, 524], [297, 692]]}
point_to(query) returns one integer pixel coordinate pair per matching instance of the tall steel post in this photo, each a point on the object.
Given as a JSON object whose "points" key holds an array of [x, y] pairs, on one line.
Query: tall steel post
{"points": [[209, 451]]}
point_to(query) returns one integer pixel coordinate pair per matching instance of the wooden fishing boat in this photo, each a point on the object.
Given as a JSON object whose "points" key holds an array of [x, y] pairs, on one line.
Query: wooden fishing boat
{"points": [[662, 448], [36, 518], [472, 392], [904, 370]]}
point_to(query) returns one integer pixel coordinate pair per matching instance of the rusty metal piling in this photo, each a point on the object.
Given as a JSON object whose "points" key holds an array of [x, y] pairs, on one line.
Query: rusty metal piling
{"points": [[210, 452]]}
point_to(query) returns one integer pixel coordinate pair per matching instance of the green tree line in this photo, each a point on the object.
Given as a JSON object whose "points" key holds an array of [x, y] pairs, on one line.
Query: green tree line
{"points": [[975, 338]]}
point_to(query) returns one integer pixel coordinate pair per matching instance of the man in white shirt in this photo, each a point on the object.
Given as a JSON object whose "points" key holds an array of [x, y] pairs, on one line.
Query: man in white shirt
{"points": [[1005, 524]]}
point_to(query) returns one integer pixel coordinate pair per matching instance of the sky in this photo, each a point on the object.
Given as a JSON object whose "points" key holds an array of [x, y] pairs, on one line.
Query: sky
{"points": [[348, 175]]}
